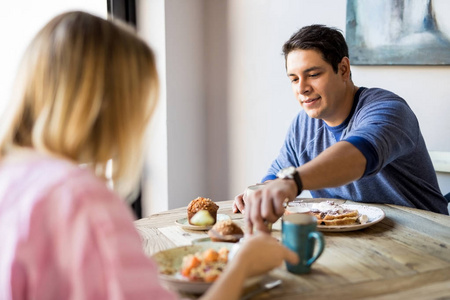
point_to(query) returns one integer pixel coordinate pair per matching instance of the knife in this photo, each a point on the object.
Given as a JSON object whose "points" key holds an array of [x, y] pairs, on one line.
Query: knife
{"points": [[264, 287]]}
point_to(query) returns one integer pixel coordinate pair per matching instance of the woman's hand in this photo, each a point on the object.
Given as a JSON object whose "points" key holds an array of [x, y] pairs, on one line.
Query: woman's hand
{"points": [[254, 261], [257, 255]]}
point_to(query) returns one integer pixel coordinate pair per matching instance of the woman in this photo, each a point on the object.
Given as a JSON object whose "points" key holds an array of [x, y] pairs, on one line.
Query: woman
{"points": [[85, 91]]}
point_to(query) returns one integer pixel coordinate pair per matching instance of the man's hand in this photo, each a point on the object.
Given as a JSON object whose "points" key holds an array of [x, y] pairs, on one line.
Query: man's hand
{"points": [[239, 200], [267, 204], [239, 204]]}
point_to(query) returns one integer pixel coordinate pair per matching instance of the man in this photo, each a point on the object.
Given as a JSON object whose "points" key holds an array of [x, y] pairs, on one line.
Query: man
{"points": [[362, 144]]}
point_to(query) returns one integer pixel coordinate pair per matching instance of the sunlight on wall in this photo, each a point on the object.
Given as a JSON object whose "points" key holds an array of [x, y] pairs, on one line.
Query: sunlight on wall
{"points": [[20, 21]]}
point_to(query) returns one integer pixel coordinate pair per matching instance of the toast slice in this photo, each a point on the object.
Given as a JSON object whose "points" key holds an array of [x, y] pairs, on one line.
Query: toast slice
{"points": [[342, 221], [331, 214]]}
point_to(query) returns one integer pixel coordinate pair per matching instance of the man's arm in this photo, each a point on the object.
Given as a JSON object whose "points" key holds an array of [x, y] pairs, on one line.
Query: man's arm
{"points": [[338, 165]]}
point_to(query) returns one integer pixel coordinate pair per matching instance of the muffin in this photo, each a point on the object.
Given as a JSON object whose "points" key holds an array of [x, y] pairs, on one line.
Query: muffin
{"points": [[201, 203], [226, 231]]}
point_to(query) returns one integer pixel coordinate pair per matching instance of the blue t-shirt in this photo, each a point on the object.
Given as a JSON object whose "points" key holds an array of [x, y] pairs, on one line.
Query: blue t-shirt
{"points": [[384, 128]]}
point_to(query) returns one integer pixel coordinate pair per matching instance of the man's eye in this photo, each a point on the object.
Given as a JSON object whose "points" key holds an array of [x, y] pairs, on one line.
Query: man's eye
{"points": [[294, 80], [314, 75]]}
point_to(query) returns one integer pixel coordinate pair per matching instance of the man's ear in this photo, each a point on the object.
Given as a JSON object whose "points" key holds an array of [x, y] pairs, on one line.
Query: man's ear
{"points": [[344, 68]]}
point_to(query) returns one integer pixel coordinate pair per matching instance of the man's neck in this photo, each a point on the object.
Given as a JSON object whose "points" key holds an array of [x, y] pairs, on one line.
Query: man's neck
{"points": [[349, 98]]}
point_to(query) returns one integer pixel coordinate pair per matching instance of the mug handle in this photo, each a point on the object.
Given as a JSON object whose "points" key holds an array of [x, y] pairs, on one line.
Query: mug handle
{"points": [[318, 236]]}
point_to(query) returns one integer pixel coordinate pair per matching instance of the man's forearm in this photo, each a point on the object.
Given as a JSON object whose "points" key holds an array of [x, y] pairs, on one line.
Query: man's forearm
{"points": [[338, 165]]}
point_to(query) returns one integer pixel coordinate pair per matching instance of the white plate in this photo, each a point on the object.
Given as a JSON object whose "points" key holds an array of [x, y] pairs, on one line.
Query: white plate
{"points": [[184, 223], [374, 215], [169, 261]]}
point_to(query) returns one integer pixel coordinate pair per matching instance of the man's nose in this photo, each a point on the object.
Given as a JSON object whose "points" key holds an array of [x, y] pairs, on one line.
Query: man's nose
{"points": [[302, 87]]}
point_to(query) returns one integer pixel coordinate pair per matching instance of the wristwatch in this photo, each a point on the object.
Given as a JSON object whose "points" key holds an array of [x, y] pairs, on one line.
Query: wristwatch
{"points": [[291, 173]]}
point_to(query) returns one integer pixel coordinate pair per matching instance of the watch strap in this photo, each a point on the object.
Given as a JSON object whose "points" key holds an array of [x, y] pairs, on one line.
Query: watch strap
{"points": [[298, 182]]}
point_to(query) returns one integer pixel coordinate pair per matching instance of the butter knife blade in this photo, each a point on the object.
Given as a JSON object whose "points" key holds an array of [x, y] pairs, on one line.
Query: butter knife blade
{"points": [[265, 287]]}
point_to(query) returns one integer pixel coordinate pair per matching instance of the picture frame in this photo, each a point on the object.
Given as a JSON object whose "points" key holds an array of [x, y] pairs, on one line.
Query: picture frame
{"points": [[401, 32]]}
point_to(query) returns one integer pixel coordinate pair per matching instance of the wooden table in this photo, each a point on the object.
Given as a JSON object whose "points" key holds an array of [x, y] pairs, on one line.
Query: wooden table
{"points": [[405, 256]]}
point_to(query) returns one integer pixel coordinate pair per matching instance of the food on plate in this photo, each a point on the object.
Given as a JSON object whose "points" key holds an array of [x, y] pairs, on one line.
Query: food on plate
{"points": [[202, 218], [204, 266], [226, 231], [332, 214], [363, 219], [199, 204]]}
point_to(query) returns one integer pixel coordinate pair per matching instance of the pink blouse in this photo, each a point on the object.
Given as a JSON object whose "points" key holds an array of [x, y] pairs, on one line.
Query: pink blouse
{"points": [[64, 235]]}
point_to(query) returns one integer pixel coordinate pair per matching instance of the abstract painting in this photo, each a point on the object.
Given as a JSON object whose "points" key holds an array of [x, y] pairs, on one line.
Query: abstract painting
{"points": [[398, 32]]}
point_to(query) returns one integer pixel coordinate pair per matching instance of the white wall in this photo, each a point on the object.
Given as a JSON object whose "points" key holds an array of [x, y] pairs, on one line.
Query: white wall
{"points": [[247, 98], [150, 17], [176, 161], [185, 100], [20, 20]]}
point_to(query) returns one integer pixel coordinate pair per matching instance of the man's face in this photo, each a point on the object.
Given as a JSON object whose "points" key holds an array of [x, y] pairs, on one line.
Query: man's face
{"points": [[320, 91]]}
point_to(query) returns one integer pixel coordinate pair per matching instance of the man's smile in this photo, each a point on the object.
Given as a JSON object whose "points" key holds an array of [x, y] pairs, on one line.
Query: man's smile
{"points": [[310, 100]]}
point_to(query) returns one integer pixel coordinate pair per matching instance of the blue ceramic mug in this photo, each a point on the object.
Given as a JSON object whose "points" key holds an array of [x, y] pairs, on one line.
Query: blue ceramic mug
{"points": [[298, 233]]}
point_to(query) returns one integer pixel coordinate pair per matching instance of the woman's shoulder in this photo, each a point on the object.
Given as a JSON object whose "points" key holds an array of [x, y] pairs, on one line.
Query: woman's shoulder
{"points": [[57, 196], [49, 182], [30, 161]]}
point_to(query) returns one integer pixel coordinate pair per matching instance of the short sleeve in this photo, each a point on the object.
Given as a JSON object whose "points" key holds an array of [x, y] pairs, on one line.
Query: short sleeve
{"points": [[388, 125]]}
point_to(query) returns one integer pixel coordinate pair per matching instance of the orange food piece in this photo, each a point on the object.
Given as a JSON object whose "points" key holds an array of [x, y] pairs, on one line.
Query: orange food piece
{"points": [[189, 263], [211, 278], [223, 255], [210, 255], [204, 266]]}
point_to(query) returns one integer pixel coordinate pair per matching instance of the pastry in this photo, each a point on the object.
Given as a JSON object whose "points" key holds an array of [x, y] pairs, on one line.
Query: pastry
{"points": [[226, 231], [199, 204]]}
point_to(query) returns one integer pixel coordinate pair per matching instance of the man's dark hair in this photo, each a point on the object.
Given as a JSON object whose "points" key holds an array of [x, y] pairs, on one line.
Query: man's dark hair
{"points": [[328, 40]]}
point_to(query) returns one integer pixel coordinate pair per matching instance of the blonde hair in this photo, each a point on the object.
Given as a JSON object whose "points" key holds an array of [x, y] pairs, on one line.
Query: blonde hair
{"points": [[85, 90]]}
